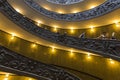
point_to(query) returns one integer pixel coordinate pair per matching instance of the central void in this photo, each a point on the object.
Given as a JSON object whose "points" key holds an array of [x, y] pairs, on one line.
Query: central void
{"points": [[64, 2]]}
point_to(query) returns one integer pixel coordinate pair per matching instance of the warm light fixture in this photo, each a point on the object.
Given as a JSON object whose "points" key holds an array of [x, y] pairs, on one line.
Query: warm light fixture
{"points": [[53, 49], [39, 21], [30, 79], [12, 35], [7, 75], [33, 45], [71, 53], [5, 78], [92, 28], [93, 6], [38, 24], [60, 11], [75, 11], [72, 30], [46, 7], [111, 61], [88, 55], [117, 24], [55, 28], [18, 10]]}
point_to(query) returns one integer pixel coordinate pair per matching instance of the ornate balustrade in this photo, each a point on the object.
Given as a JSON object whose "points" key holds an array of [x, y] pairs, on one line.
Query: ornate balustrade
{"points": [[64, 2], [109, 48], [30, 67], [104, 8]]}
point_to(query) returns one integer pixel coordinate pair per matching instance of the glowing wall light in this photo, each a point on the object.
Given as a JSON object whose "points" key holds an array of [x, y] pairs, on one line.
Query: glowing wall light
{"points": [[92, 28], [18, 10], [112, 61], [7, 75], [53, 49], [72, 30], [55, 28], [39, 22], [12, 36], [71, 54], [5, 78], [75, 11], [92, 6], [60, 11], [46, 7], [33, 45], [30, 79], [88, 55], [117, 24]]}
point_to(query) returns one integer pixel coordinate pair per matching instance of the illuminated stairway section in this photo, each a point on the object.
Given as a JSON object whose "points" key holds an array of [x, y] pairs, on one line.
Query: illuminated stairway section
{"points": [[13, 62], [107, 48], [106, 7], [10, 76]]}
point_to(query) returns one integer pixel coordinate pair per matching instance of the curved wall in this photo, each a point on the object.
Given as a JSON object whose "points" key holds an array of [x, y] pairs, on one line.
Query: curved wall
{"points": [[34, 15]]}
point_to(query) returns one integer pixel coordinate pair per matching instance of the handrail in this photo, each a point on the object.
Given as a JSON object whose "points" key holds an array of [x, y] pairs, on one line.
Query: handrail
{"points": [[65, 2], [106, 7], [17, 63], [107, 48]]}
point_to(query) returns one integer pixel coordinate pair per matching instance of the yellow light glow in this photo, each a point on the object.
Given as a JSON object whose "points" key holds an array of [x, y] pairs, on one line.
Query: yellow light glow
{"points": [[88, 55], [39, 22], [12, 35], [18, 10], [71, 53], [116, 21], [46, 7], [75, 11], [93, 6], [30, 79], [33, 45], [5, 78], [60, 11], [111, 61], [7, 75], [92, 28], [72, 30], [117, 24], [55, 28], [53, 49]]}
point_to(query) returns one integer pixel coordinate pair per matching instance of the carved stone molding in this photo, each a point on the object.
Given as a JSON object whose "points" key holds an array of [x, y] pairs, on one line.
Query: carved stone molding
{"points": [[106, 7], [25, 65], [64, 2]]}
